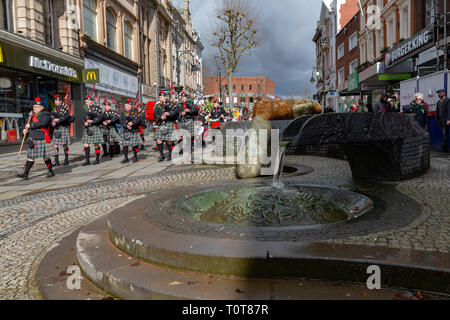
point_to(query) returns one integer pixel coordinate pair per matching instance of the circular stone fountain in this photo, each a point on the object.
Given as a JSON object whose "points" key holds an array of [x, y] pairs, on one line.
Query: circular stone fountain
{"points": [[270, 206], [264, 205]]}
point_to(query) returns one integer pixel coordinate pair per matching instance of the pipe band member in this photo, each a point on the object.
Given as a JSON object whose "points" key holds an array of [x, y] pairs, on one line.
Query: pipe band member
{"points": [[131, 120], [110, 136], [166, 114], [93, 119], [39, 140], [61, 135]]}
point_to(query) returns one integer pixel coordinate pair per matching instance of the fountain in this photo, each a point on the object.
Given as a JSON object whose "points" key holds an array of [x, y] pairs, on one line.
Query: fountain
{"points": [[262, 228]]}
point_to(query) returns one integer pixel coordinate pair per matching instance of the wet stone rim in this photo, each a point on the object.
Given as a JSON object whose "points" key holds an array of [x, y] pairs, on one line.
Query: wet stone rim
{"points": [[392, 210]]}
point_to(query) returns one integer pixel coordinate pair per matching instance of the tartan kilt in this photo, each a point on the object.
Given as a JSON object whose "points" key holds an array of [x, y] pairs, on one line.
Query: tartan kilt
{"points": [[171, 134], [96, 138], [189, 126], [65, 137], [134, 141], [110, 134], [41, 150]]}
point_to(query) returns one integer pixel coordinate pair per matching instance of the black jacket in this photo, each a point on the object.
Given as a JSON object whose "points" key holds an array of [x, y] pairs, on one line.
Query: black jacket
{"points": [[44, 121], [161, 109], [443, 111], [216, 113], [63, 115], [95, 115], [135, 118], [113, 116], [192, 114]]}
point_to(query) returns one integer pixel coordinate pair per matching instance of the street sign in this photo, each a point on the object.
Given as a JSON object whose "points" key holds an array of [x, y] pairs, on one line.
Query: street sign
{"points": [[91, 76]]}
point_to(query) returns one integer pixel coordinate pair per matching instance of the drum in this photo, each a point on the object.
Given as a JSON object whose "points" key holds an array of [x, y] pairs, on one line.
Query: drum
{"points": [[215, 124]]}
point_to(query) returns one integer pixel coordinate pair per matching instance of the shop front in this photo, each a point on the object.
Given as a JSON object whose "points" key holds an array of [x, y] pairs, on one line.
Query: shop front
{"points": [[30, 70], [112, 81]]}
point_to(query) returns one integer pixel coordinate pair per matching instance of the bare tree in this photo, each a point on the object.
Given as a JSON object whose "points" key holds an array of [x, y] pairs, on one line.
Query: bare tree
{"points": [[235, 35]]}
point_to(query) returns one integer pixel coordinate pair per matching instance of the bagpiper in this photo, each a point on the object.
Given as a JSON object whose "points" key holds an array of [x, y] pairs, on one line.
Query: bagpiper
{"points": [[141, 109], [189, 113], [93, 119], [131, 121], [61, 122], [110, 135], [39, 141], [166, 115]]}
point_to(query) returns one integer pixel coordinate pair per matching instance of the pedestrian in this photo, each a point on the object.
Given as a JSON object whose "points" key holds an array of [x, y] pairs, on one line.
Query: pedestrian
{"points": [[166, 114], [443, 117], [418, 109], [39, 140], [92, 135], [61, 123], [383, 106], [328, 109], [131, 121], [361, 106], [396, 104]]}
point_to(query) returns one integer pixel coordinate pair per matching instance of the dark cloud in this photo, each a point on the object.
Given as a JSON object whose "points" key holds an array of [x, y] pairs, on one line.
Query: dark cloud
{"points": [[287, 53]]}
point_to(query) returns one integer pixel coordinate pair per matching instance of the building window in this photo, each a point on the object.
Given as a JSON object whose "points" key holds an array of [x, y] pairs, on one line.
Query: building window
{"points": [[128, 36], [242, 88], [429, 12], [111, 29], [353, 66], [353, 41], [341, 76], [340, 51], [250, 87], [90, 18]]}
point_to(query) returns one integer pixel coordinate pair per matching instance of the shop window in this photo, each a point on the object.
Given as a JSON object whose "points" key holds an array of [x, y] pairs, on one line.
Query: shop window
{"points": [[90, 18], [111, 28], [128, 40]]}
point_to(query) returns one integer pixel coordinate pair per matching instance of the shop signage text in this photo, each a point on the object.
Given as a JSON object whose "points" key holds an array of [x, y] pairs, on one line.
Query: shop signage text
{"points": [[51, 67], [410, 45], [353, 81]]}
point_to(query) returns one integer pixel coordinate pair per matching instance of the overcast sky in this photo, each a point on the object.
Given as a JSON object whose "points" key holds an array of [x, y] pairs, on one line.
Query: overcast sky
{"points": [[287, 54]]}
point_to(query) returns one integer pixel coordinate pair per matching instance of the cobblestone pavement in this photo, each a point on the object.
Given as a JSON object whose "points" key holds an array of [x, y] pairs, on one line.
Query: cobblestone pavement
{"points": [[31, 224]]}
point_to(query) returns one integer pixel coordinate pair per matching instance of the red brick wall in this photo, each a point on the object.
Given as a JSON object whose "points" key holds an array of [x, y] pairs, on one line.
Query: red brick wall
{"points": [[267, 86], [343, 37]]}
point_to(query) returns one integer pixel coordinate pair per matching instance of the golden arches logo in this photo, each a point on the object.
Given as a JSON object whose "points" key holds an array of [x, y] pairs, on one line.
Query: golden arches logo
{"points": [[1, 54], [91, 76]]}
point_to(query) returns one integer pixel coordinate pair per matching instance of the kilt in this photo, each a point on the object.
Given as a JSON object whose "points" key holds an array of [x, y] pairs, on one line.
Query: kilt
{"points": [[96, 138], [188, 124], [41, 150], [65, 137], [135, 140], [171, 134], [110, 134]]}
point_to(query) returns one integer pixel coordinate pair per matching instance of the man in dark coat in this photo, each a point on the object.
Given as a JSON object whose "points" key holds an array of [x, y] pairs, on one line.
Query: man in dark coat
{"points": [[443, 117]]}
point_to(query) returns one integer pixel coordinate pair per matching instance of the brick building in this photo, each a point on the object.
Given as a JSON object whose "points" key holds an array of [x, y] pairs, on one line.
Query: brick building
{"points": [[348, 57], [246, 90]]}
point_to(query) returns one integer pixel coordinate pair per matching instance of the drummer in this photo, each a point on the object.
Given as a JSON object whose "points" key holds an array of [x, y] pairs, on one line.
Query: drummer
{"points": [[217, 112]]}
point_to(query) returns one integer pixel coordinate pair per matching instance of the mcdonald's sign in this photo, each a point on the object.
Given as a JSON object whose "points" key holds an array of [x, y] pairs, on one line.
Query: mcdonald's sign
{"points": [[91, 76], [1, 55]]}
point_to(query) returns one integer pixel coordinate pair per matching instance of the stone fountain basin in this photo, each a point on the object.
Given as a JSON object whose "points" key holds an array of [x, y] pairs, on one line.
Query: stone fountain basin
{"points": [[200, 206]]}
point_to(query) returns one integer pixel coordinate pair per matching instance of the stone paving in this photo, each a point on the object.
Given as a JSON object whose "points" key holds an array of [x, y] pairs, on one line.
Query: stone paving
{"points": [[33, 219]]}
